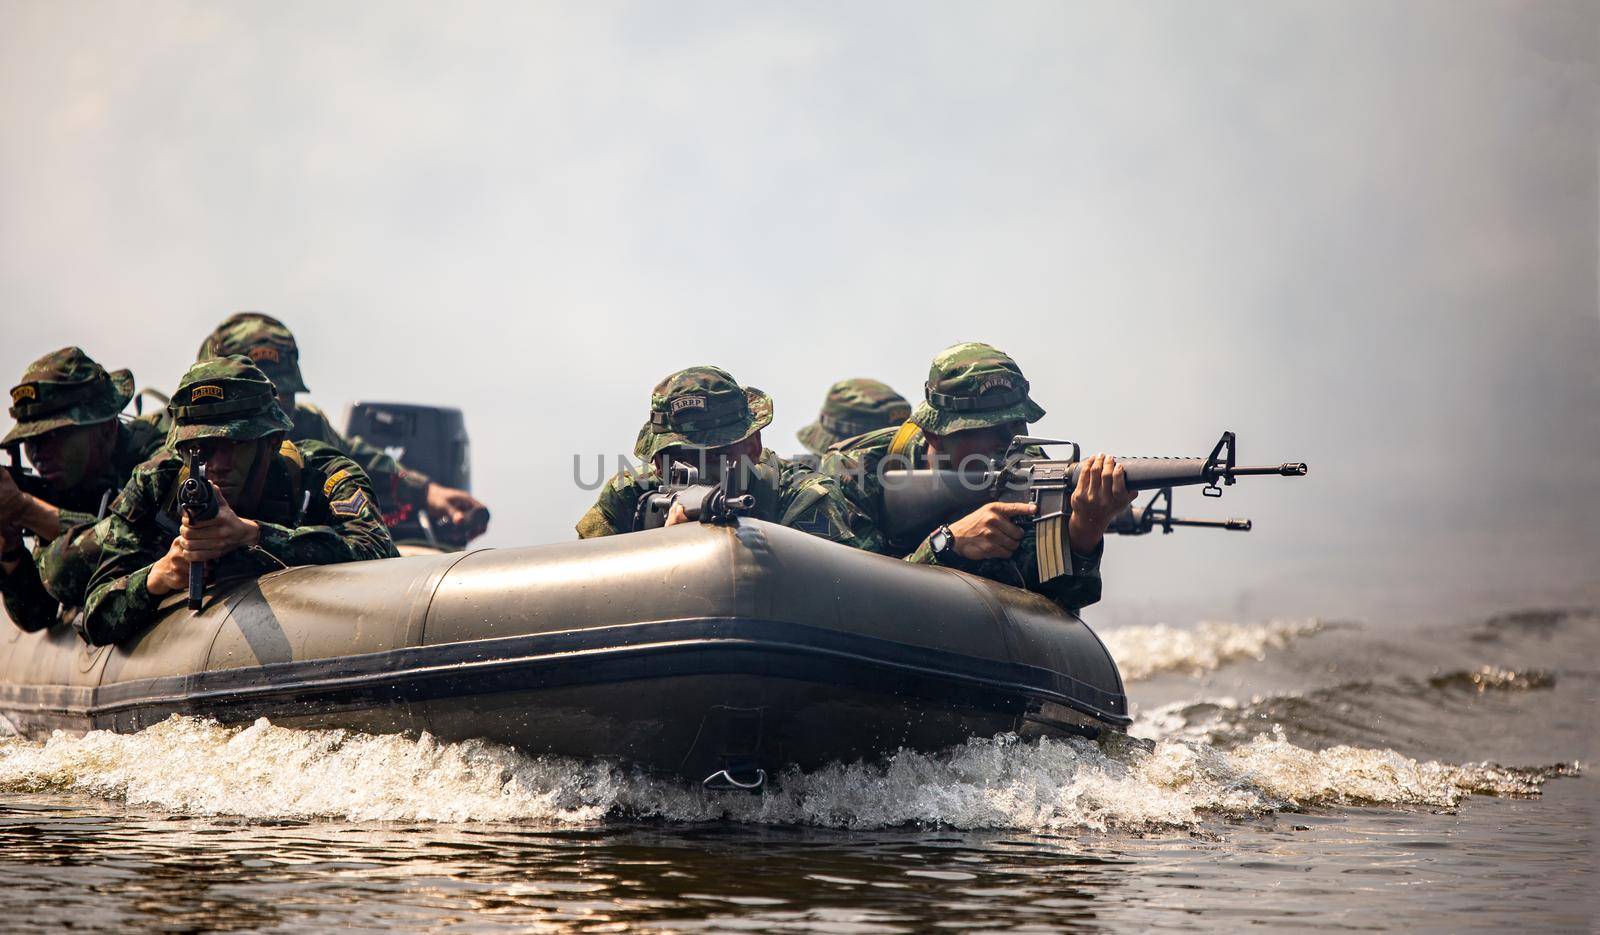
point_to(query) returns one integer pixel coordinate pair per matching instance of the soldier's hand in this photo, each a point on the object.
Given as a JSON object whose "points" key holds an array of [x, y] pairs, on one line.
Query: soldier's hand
{"points": [[10, 541], [676, 514], [13, 502], [169, 573], [988, 531], [1102, 493], [217, 536], [451, 505]]}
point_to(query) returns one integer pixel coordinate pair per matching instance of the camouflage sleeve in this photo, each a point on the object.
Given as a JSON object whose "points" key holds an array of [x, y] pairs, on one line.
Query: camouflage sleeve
{"points": [[348, 528], [401, 492], [854, 472], [27, 602], [814, 503], [613, 509], [73, 518], [66, 564], [117, 604], [401, 486], [1076, 590]]}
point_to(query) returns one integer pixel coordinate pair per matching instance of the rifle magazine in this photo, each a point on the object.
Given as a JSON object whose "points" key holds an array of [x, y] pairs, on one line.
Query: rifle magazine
{"points": [[1049, 547]]}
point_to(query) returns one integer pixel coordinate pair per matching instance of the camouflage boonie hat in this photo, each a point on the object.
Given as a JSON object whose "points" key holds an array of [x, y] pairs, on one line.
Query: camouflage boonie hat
{"points": [[701, 407], [267, 341], [65, 388], [974, 386], [854, 407], [225, 397]]}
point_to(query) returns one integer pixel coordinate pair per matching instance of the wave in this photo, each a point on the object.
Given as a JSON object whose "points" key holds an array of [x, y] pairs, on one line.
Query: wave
{"points": [[1342, 713], [264, 771], [1143, 651], [1493, 678]]}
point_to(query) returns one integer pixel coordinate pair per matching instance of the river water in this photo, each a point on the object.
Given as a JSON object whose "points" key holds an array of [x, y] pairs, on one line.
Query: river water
{"points": [[1314, 774]]}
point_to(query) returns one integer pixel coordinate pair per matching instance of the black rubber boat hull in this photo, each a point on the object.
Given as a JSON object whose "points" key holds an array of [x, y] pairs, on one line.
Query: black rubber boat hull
{"points": [[692, 649]]}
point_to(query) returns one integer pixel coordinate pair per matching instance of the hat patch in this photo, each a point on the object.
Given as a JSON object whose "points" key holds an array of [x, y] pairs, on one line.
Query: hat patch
{"points": [[20, 393], [205, 391], [996, 380], [264, 353], [686, 402]]}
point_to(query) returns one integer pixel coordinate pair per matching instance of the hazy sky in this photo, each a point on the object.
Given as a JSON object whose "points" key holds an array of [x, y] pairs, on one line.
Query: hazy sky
{"points": [[1363, 235]]}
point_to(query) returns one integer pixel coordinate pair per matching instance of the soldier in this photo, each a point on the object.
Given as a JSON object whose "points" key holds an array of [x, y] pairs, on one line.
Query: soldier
{"points": [[66, 406], [976, 402], [853, 407], [280, 503], [401, 492], [702, 416]]}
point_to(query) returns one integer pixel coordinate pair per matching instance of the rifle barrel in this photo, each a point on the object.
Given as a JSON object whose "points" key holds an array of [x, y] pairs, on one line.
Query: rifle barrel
{"points": [[1236, 525], [1286, 469]]}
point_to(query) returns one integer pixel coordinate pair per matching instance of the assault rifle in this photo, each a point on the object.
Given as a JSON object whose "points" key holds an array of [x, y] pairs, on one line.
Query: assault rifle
{"points": [[1140, 520], [916, 501], [706, 503], [199, 501]]}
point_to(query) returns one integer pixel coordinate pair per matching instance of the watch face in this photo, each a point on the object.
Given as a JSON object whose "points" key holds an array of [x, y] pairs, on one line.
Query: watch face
{"points": [[940, 540]]}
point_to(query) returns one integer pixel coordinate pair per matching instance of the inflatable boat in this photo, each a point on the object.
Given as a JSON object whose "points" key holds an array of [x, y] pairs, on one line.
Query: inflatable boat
{"points": [[722, 653]]}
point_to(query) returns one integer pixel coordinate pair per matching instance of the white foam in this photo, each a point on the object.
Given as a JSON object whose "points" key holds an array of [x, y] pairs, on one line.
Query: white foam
{"points": [[269, 772], [1143, 651]]}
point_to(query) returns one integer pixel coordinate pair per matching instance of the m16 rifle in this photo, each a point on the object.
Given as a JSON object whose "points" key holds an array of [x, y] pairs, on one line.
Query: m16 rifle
{"points": [[199, 501], [1157, 512], [705, 503], [917, 500]]}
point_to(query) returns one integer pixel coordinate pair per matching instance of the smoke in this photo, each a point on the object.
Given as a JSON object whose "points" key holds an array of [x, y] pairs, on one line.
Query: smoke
{"points": [[1363, 236]]}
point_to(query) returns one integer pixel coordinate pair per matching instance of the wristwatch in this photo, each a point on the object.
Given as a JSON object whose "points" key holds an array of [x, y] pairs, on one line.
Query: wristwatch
{"points": [[943, 545]]}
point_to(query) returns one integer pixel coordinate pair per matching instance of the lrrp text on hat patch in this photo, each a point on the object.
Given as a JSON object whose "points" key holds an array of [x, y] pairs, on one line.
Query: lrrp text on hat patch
{"points": [[264, 353], [205, 391], [688, 402], [24, 392]]}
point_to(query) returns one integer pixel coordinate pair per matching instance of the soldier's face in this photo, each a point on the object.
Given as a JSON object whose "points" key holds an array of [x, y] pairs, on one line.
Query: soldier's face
{"points": [[228, 464], [710, 461], [67, 457], [959, 448]]}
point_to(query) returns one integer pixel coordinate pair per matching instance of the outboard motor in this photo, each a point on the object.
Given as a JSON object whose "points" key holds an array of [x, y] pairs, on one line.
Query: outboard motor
{"points": [[430, 439]]}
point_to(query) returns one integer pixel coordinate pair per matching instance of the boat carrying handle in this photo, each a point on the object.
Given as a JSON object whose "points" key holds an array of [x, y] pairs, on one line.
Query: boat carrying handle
{"points": [[724, 781]]}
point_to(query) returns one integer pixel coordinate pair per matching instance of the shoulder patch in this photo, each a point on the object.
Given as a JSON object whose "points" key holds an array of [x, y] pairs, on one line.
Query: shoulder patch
{"points": [[352, 505], [817, 521], [334, 480]]}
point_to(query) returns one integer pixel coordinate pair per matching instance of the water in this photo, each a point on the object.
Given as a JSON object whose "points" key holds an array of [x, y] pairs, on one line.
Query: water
{"points": [[1308, 773]]}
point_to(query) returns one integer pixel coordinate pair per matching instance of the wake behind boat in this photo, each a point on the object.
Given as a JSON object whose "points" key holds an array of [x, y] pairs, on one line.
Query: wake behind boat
{"points": [[720, 652]]}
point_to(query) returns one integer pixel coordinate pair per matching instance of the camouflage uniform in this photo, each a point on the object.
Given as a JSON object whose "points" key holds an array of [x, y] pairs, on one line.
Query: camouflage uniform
{"points": [[230, 398], [970, 386], [702, 407], [60, 390], [268, 342], [853, 407]]}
